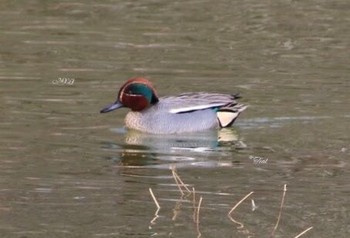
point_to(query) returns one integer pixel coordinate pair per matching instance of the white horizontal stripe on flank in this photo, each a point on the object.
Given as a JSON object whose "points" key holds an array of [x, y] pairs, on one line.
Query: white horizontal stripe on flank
{"points": [[194, 108]]}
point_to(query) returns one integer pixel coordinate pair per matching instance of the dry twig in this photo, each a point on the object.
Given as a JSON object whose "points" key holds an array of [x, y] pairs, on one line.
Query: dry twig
{"points": [[179, 181], [280, 211], [198, 208], [194, 203], [157, 204], [154, 198], [302, 233], [238, 203]]}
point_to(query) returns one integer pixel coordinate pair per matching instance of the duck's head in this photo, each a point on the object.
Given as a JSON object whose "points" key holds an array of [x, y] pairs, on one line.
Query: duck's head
{"points": [[136, 94]]}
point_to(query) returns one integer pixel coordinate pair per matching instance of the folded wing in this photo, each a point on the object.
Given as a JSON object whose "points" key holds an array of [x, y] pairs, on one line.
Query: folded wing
{"points": [[225, 105]]}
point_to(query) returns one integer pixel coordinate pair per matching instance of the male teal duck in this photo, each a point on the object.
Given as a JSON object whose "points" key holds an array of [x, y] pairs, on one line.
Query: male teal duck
{"points": [[187, 112]]}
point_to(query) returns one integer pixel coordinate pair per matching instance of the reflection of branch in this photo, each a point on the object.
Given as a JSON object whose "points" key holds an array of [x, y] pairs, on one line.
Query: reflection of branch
{"points": [[157, 204], [254, 207], [177, 208], [241, 226], [198, 208], [280, 211], [237, 222], [197, 217], [302, 233]]}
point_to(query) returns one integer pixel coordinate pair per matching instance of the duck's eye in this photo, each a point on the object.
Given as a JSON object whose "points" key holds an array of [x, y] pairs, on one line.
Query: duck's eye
{"points": [[128, 90]]}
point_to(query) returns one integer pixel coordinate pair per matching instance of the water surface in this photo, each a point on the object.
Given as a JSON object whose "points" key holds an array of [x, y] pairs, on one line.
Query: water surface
{"points": [[67, 171]]}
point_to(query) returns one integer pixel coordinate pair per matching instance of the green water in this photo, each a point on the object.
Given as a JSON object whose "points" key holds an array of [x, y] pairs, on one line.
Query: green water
{"points": [[68, 171]]}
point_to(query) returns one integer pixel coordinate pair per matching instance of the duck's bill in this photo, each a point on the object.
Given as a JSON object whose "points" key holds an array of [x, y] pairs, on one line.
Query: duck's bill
{"points": [[112, 107]]}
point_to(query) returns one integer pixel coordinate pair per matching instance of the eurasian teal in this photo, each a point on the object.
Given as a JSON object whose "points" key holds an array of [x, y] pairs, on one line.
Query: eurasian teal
{"points": [[187, 112]]}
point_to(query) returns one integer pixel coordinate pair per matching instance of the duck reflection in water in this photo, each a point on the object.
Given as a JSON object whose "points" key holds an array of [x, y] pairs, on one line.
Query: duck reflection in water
{"points": [[200, 149]]}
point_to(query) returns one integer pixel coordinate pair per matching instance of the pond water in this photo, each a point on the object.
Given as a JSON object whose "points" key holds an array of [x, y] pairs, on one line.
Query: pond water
{"points": [[68, 171]]}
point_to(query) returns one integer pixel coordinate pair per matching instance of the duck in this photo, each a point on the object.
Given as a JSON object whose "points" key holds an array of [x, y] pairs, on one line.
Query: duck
{"points": [[185, 113]]}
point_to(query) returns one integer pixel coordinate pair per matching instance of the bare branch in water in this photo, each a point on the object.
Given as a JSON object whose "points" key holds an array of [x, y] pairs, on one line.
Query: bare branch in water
{"points": [[280, 211], [238, 203], [302, 233]]}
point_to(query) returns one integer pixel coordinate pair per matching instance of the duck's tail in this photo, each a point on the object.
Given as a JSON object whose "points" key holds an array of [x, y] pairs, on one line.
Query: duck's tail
{"points": [[228, 114]]}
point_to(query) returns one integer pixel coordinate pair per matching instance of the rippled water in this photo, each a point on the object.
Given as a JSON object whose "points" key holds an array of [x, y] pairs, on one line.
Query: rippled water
{"points": [[67, 171]]}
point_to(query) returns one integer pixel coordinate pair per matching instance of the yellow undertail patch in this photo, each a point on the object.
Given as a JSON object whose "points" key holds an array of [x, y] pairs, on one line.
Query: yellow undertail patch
{"points": [[226, 117]]}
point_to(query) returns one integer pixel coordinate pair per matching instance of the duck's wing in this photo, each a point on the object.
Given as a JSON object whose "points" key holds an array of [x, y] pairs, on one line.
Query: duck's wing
{"points": [[189, 102], [226, 106]]}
